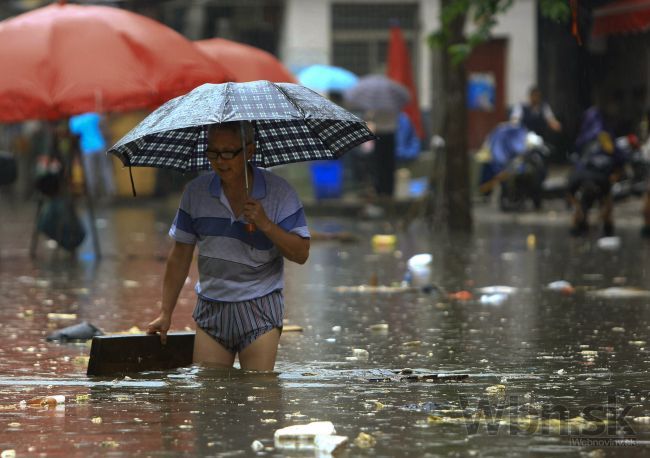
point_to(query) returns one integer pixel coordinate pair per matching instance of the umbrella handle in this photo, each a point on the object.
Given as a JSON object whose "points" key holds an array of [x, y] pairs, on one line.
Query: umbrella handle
{"points": [[250, 227]]}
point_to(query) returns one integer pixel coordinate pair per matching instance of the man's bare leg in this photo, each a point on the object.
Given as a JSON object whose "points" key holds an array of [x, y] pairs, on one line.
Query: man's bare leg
{"points": [[260, 355], [208, 350]]}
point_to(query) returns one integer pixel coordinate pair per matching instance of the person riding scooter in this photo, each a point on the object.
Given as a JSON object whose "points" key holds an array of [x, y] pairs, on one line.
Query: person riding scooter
{"points": [[515, 159]]}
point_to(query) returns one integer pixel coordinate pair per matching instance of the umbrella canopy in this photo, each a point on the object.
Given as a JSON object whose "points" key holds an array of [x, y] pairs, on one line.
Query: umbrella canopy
{"points": [[378, 93], [62, 60], [326, 78], [245, 63], [292, 124]]}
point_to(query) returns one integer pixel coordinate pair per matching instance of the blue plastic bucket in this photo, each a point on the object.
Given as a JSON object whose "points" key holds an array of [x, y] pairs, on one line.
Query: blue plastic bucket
{"points": [[327, 178]]}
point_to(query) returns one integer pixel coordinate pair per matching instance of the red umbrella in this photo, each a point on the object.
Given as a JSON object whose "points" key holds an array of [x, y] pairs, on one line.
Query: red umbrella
{"points": [[62, 60], [246, 63], [399, 69]]}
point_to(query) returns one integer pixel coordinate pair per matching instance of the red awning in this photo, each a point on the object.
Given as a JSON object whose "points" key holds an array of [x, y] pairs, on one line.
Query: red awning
{"points": [[622, 16]]}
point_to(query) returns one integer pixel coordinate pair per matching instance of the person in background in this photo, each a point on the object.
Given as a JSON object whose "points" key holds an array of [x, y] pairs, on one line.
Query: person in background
{"points": [[598, 166], [644, 133], [407, 142], [536, 115], [96, 165]]}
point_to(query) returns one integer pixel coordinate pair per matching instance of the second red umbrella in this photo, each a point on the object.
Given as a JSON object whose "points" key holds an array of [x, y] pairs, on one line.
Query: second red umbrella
{"points": [[246, 63]]}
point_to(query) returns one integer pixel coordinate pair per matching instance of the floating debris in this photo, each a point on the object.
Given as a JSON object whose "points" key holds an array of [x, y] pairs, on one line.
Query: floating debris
{"points": [[61, 316], [301, 437], [531, 241], [291, 328], [561, 286], [419, 269], [43, 401], [620, 292], [360, 353], [257, 446], [375, 289], [326, 445], [80, 331], [460, 296], [412, 343], [609, 243], [379, 327], [493, 299], [498, 289], [365, 440], [383, 243], [496, 389]]}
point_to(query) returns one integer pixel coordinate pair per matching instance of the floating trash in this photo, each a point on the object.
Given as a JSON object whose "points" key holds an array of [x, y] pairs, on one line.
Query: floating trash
{"points": [[360, 353], [498, 289], [620, 292], [302, 437], [80, 331], [379, 327], [493, 299], [419, 268], [257, 446], [383, 242], [562, 286], [531, 241], [461, 296], [365, 440], [61, 316], [496, 389], [609, 243], [326, 445], [43, 401], [375, 289]]}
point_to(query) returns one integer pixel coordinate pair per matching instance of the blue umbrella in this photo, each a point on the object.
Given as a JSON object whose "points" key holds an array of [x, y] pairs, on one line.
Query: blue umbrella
{"points": [[326, 78]]}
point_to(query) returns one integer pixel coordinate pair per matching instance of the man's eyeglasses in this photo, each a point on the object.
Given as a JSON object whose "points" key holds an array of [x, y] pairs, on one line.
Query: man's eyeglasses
{"points": [[214, 155]]}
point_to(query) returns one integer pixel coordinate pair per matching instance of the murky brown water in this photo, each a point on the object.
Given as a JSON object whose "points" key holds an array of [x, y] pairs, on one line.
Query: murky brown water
{"points": [[549, 351]]}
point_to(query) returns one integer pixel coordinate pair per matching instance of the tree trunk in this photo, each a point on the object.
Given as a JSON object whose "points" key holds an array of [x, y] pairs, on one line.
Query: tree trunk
{"points": [[457, 187]]}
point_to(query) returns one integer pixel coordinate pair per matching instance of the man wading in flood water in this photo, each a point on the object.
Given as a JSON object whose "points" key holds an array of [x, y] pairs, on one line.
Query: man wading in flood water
{"points": [[240, 305]]}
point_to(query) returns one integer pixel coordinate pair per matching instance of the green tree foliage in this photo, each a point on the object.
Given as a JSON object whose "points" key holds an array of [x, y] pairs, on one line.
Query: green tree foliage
{"points": [[484, 15], [457, 44]]}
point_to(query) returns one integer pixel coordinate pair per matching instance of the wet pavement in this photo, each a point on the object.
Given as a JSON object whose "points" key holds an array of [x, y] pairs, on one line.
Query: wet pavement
{"points": [[549, 371]]}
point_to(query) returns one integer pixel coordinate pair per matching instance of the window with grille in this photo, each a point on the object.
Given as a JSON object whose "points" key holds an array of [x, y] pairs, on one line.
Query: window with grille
{"points": [[360, 34]]}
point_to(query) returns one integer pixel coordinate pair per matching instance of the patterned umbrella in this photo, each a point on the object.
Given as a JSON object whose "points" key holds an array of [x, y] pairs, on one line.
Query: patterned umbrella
{"points": [[292, 124]]}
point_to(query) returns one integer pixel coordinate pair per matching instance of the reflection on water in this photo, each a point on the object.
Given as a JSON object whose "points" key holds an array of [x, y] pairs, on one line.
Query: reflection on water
{"points": [[538, 353]]}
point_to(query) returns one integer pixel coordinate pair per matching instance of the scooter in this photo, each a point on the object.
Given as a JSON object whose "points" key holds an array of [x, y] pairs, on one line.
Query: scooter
{"points": [[516, 164], [525, 176]]}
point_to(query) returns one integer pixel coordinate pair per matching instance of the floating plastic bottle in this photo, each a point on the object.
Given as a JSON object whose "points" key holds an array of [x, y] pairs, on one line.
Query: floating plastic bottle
{"points": [[46, 400]]}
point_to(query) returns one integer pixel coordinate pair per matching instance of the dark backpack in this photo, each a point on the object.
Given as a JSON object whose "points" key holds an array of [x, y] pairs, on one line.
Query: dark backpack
{"points": [[59, 221]]}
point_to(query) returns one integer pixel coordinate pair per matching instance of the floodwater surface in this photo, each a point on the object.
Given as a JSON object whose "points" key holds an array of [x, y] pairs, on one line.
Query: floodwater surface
{"points": [[550, 372]]}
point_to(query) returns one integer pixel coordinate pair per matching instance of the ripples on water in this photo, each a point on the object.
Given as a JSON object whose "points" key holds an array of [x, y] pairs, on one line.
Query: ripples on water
{"points": [[549, 351]]}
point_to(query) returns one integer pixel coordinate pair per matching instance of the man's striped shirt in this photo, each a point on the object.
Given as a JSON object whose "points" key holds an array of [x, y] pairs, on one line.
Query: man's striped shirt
{"points": [[233, 264]]}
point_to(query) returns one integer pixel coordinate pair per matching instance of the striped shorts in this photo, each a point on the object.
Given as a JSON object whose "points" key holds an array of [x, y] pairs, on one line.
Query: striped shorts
{"points": [[235, 325]]}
